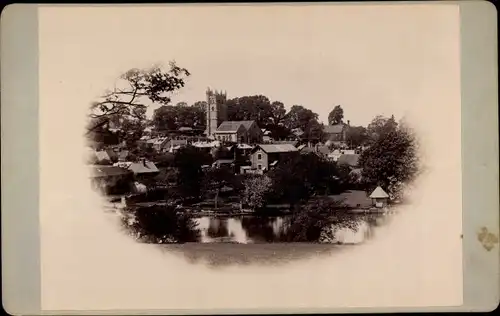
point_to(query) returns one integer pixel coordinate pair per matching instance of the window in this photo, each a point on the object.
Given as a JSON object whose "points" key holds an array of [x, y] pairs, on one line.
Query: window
{"points": [[259, 156], [259, 167]]}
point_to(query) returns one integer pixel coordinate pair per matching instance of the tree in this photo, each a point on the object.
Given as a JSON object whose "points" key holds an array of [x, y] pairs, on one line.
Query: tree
{"points": [[127, 103], [317, 219], [336, 115], [250, 108], [299, 117], [392, 160], [215, 179], [314, 132], [255, 191], [356, 135], [379, 126], [278, 113], [181, 104], [171, 118], [189, 160]]}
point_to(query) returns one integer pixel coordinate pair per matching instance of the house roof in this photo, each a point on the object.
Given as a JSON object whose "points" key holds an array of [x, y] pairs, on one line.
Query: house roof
{"points": [[107, 171], [348, 159], [281, 142], [139, 167], [102, 155], [185, 128], [334, 129], [174, 142], [379, 193], [324, 150], [233, 126], [276, 148]]}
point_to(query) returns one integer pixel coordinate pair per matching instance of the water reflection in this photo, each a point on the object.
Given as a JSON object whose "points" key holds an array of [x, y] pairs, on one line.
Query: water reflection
{"points": [[255, 229]]}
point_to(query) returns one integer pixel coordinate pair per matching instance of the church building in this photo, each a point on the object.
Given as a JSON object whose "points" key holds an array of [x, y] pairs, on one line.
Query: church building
{"points": [[216, 111]]}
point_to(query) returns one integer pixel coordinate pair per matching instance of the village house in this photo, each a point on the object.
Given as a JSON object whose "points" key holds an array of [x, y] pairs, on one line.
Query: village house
{"points": [[266, 136], [142, 170], [111, 179], [239, 132], [336, 134], [172, 145], [264, 156]]}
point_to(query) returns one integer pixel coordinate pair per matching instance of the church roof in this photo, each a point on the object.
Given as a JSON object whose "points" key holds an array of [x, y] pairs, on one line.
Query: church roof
{"points": [[233, 126], [379, 193]]}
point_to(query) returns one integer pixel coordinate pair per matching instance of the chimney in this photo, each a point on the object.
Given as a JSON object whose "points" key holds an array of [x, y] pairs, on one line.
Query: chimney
{"points": [[348, 122]]}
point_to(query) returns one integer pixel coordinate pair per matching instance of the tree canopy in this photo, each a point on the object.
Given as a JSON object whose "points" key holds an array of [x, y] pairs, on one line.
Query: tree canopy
{"points": [[124, 107], [336, 115]]}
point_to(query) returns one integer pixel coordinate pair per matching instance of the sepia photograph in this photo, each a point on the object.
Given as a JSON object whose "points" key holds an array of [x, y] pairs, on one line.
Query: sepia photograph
{"points": [[258, 156]]}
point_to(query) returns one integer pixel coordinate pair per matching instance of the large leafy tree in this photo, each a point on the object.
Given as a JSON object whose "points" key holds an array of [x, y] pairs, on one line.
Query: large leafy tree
{"points": [[336, 115], [299, 117], [126, 104], [255, 108], [255, 192], [170, 117], [189, 160], [356, 135], [392, 160]]}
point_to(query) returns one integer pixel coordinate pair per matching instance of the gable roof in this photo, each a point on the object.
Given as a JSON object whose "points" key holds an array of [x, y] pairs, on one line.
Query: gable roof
{"points": [[107, 171], [348, 159], [230, 126], [102, 155], [379, 193], [334, 129], [247, 124], [139, 167], [283, 142], [276, 148]]}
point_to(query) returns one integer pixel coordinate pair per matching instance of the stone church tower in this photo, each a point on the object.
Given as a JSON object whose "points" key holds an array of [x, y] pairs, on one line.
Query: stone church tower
{"points": [[216, 111]]}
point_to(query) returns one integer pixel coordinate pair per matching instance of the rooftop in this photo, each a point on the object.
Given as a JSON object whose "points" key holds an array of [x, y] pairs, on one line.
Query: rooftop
{"points": [[379, 193], [233, 126], [107, 171], [277, 148], [348, 159]]}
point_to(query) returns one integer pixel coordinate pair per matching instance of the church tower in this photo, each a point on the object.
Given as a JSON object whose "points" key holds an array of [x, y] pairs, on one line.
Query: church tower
{"points": [[216, 111]]}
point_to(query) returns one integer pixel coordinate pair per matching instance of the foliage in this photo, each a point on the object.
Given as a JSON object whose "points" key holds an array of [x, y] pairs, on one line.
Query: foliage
{"points": [[255, 107], [312, 175], [161, 224], [189, 160], [316, 218], [255, 191], [356, 136], [171, 118], [336, 115], [379, 126], [124, 108], [392, 160], [299, 117]]}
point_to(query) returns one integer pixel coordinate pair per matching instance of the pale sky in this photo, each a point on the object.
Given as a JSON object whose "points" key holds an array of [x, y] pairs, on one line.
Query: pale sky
{"points": [[369, 59]]}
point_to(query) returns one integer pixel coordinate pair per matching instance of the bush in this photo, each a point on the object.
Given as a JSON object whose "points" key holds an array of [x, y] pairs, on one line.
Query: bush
{"points": [[161, 225], [310, 222]]}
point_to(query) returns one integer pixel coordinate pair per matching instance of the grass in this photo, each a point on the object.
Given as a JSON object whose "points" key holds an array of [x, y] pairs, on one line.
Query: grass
{"points": [[227, 254]]}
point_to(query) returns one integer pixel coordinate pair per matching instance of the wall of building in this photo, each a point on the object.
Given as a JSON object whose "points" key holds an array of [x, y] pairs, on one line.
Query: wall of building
{"points": [[264, 161]]}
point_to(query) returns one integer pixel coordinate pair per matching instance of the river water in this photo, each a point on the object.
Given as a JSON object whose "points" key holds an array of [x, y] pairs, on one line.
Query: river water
{"points": [[252, 229]]}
